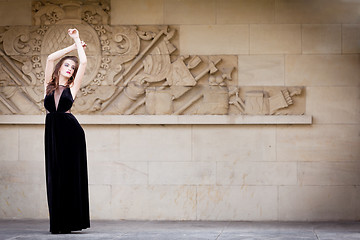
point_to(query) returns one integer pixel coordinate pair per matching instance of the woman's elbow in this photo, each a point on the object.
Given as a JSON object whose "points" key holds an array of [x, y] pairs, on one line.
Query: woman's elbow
{"points": [[83, 62], [50, 59]]}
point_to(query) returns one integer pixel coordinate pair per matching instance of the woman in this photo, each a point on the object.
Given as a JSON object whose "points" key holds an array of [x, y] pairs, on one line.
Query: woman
{"points": [[65, 147]]}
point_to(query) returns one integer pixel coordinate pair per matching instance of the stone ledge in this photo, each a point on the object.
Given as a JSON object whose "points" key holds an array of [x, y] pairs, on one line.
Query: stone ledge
{"points": [[165, 119]]}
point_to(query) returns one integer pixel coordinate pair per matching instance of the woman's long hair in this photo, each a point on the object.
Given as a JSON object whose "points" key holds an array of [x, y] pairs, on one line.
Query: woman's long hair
{"points": [[54, 83]]}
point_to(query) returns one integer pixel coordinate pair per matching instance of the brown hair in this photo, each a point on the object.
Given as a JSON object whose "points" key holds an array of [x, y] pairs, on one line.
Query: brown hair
{"points": [[54, 83]]}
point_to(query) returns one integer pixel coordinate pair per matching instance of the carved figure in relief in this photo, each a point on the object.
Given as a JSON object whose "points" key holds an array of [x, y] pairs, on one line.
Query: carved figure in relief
{"points": [[65, 145]]}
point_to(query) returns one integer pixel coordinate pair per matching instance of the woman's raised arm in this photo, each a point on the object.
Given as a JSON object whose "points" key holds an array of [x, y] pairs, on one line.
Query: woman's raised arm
{"points": [[74, 34], [50, 62]]}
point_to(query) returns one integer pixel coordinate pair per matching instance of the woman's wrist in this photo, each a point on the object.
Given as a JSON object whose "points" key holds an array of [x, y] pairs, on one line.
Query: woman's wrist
{"points": [[73, 47]]}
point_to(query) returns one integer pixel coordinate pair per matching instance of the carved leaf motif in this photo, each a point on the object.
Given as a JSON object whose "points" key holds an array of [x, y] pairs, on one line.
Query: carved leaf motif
{"points": [[89, 18], [94, 14], [100, 30], [47, 14], [42, 30], [146, 35]]}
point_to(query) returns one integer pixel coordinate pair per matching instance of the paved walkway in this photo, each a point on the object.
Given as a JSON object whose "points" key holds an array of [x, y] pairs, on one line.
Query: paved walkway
{"points": [[168, 230]]}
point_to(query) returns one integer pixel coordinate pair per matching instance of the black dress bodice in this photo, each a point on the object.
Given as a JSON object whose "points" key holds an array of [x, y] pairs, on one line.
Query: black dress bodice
{"points": [[59, 101]]}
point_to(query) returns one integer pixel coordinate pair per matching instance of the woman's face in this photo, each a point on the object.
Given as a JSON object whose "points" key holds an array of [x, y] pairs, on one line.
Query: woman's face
{"points": [[67, 68]]}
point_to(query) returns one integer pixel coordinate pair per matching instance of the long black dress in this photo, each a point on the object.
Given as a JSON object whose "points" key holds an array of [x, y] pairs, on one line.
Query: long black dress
{"points": [[66, 166]]}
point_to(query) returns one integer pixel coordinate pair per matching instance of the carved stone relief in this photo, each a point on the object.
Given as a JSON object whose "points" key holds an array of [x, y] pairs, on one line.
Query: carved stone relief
{"points": [[131, 69]]}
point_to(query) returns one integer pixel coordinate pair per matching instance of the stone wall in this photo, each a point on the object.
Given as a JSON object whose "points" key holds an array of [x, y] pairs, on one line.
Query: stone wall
{"points": [[220, 172]]}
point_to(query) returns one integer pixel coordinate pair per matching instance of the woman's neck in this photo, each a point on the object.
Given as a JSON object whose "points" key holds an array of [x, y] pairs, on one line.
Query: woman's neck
{"points": [[62, 80]]}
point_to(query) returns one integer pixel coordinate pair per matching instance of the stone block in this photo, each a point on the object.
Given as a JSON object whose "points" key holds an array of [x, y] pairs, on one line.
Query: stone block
{"points": [[334, 104], [331, 143], [237, 203], [100, 201], [189, 12], [154, 202], [182, 173], [321, 38], [245, 11], [155, 143], [233, 143], [9, 143], [322, 70], [22, 172], [350, 38], [275, 39], [159, 101], [256, 173], [260, 70], [127, 12], [15, 12], [102, 144], [117, 173], [219, 39], [43, 204], [215, 101], [22, 200], [317, 11], [318, 203], [329, 173], [31, 143]]}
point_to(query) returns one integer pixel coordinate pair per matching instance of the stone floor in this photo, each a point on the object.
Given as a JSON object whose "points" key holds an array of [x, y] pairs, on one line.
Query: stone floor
{"points": [[151, 230]]}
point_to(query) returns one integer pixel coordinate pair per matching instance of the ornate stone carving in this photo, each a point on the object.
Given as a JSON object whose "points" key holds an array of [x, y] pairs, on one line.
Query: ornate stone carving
{"points": [[265, 101], [131, 69]]}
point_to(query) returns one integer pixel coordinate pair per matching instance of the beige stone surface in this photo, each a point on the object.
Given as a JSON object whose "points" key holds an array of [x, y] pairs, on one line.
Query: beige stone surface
{"points": [[329, 173], [182, 173], [319, 203], [191, 167], [31, 143], [256, 173], [334, 104], [154, 202], [329, 143], [219, 39], [317, 11], [117, 173], [322, 70], [137, 12], [245, 11], [89, 121], [233, 143], [321, 38], [235, 203], [103, 143], [43, 204], [155, 143], [189, 11], [22, 200], [100, 201], [9, 143], [22, 172], [350, 38], [261, 70], [275, 39], [15, 12]]}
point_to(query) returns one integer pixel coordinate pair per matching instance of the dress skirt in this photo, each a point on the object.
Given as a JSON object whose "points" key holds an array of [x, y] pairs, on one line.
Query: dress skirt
{"points": [[66, 173]]}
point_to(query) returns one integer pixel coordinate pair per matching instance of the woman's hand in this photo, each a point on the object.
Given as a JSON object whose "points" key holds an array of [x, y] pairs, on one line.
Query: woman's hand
{"points": [[83, 44], [73, 33]]}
